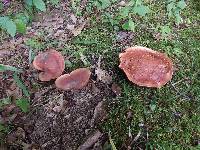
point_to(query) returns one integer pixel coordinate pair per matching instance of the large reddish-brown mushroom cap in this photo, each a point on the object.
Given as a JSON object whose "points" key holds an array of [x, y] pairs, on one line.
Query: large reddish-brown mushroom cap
{"points": [[77, 79], [146, 67], [51, 63]]}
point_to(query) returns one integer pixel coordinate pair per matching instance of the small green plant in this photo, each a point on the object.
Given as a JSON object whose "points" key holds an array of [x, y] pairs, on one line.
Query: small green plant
{"points": [[22, 103], [120, 16], [21, 85], [8, 24], [39, 4], [17, 24], [129, 15], [174, 9]]}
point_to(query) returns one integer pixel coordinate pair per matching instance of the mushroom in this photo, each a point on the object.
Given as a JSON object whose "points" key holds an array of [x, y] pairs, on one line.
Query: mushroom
{"points": [[146, 67], [51, 63], [77, 79]]}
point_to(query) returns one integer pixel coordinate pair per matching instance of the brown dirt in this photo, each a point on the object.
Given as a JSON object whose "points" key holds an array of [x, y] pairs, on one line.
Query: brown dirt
{"points": [[57, 119]]}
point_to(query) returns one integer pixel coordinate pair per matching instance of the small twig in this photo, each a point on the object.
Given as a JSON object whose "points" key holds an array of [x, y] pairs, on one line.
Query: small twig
{"points": [[136, 138], [179, 81]]}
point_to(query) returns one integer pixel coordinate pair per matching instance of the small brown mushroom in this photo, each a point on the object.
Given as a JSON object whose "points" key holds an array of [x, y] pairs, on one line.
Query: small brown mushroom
{"points": [[51, 63], [146, 67], [77, 79]]}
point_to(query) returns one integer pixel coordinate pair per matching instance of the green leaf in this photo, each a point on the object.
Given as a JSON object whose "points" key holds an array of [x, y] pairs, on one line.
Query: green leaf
{"points": [[7, 24], [141, 10], [39, 4], [68, 63], [170, 8], [29, 2], [9, 68], [23, 17], [23, 104], [165, 30], [124, 12], [129, 25], [5, 101], [178, 18], [181, 4], [55, 2], [138, 2], [21, 26], [153, 107], [105, 3], [21, 85], [2, 128]]}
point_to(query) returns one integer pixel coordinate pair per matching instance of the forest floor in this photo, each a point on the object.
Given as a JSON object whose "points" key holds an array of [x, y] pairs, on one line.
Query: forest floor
{"points": [[110, 105]]}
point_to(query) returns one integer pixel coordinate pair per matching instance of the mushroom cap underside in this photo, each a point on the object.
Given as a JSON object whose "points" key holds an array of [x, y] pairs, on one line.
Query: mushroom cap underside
{"points": [[146, 67], [51, 63], [77, 79]]}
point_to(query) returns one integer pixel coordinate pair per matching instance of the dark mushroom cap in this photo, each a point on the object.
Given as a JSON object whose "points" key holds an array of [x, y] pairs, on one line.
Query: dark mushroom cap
{"points": [[146, 67], [77, 79], [51, 63]]}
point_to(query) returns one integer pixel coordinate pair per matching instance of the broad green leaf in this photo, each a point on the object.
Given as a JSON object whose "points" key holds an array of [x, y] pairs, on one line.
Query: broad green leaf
{"points": [[178, 18], [7, 24], [55, 2], [23, 104], [11, 28], [29, 2], [23, 17], [105, 3], [124, 12], [39, 4], [181, 4], [129, 25], [141, 10], [165, 30], [170, 8], [125, 26], [138, 2], [9, 68], [21, 26], [68, 63], [3, 20], [21, 85]]}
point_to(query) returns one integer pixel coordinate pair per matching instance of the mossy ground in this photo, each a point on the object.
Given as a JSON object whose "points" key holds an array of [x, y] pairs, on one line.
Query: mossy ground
{"points": [[166, 118]]}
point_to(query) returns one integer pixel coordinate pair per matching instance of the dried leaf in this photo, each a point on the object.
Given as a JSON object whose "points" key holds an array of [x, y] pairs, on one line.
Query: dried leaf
{"points": [[103, 76], [116, 89], [78, 30]]}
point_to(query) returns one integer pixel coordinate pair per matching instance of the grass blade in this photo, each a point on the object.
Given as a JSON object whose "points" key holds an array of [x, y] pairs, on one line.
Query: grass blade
{"points": [[112, 143], [21, 85], [9, 68], [23, 104]]}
